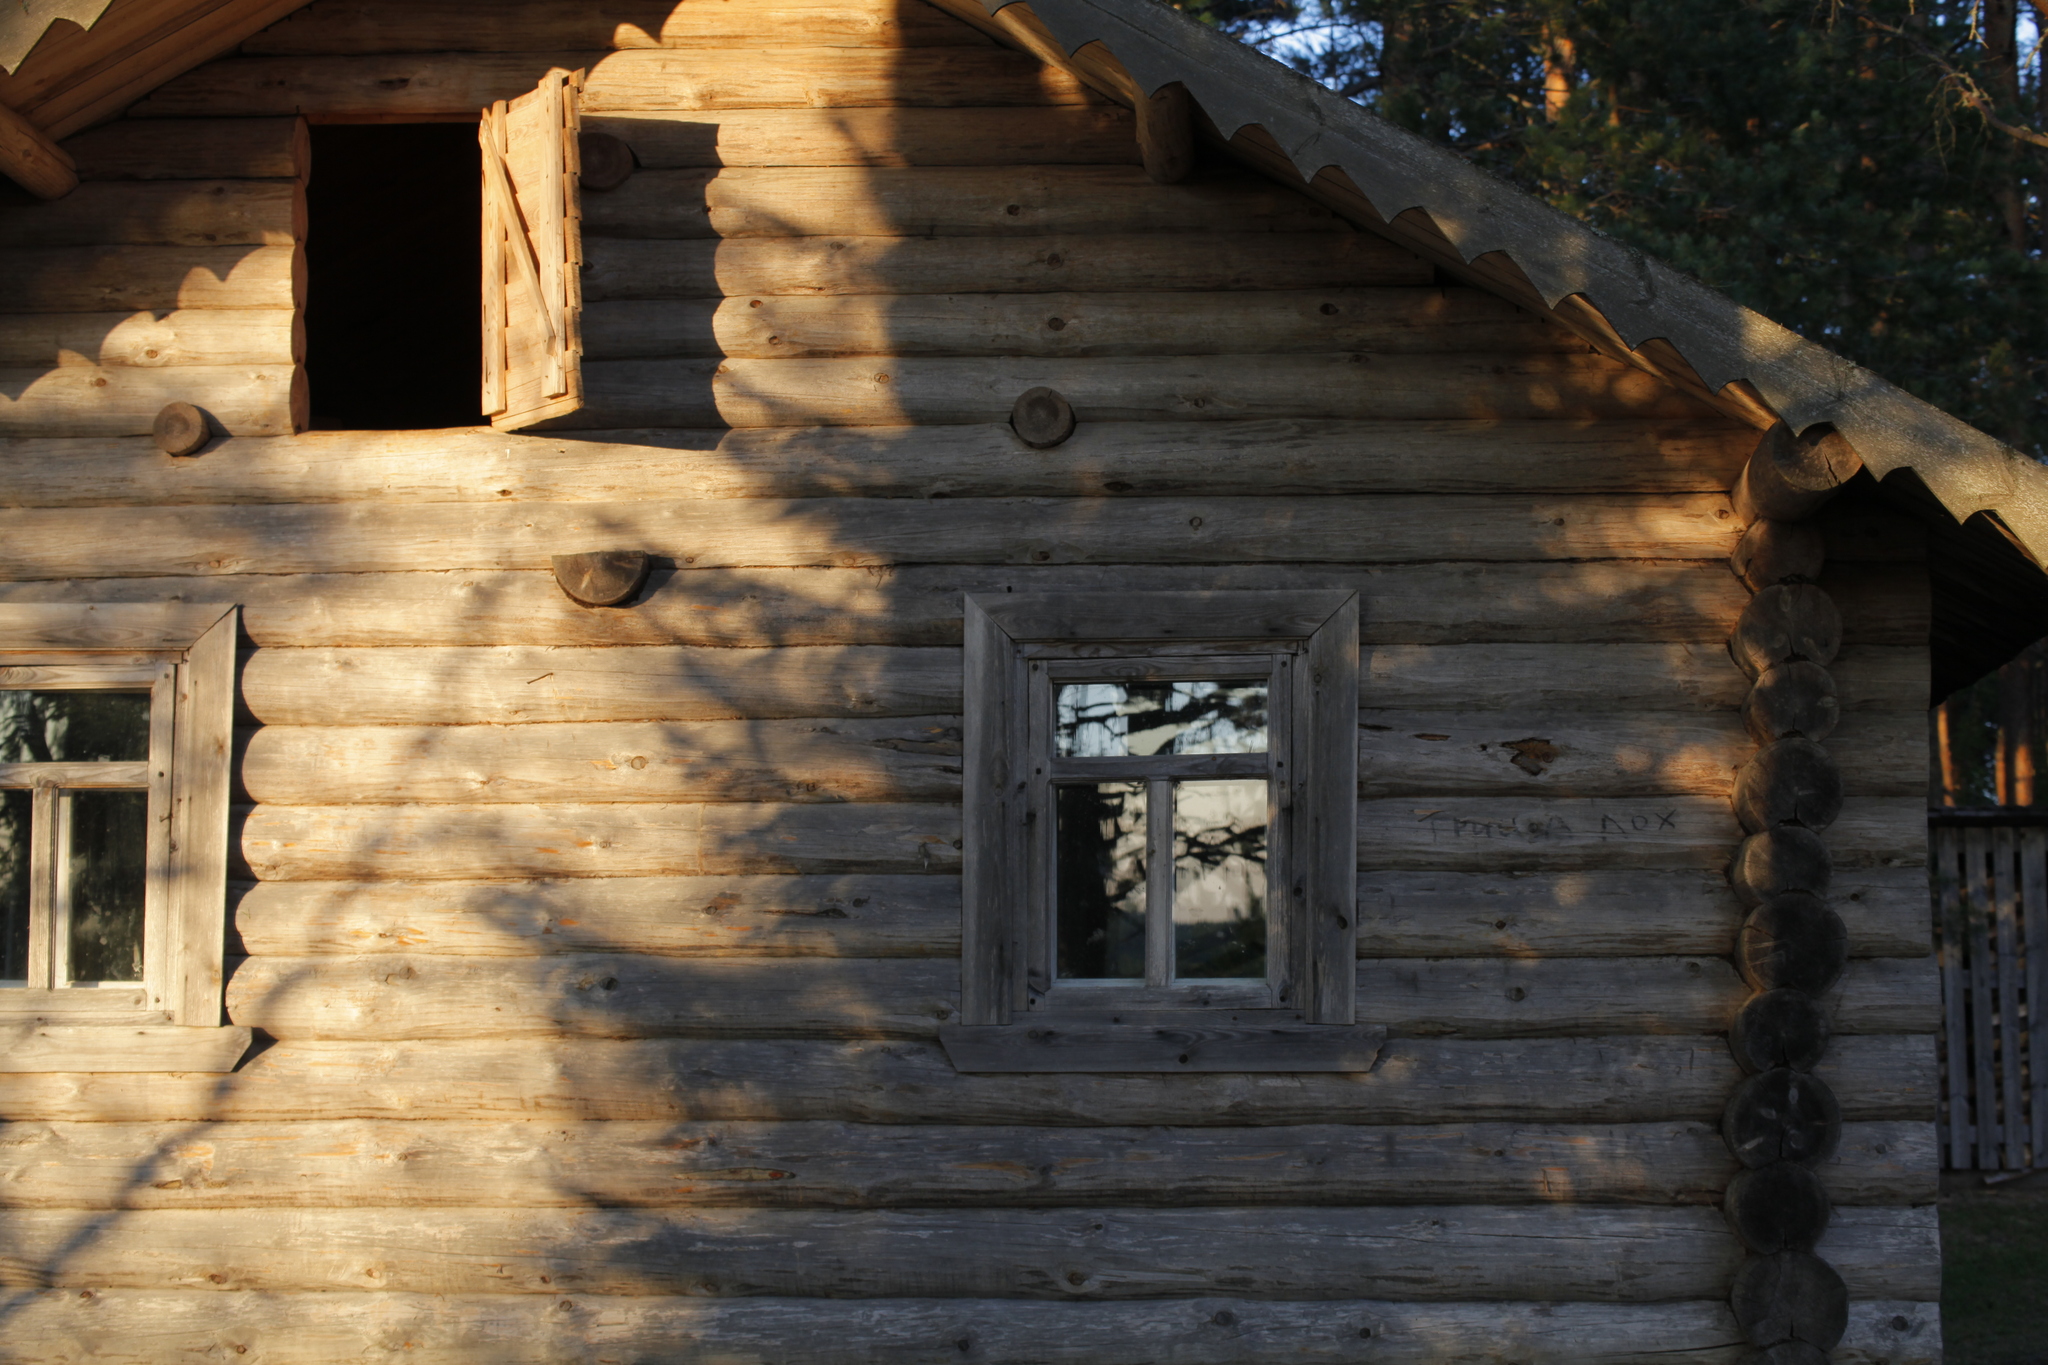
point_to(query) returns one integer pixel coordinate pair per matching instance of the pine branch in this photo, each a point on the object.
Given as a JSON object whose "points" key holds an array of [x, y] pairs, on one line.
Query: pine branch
{"points": [[1967, 92]]}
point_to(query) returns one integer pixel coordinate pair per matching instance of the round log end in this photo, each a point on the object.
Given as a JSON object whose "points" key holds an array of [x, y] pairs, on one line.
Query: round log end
{"points": [[1042, 418], [1779, 1207], [1785, 623], [1774, 861], [1779, 1029], [1772, 552], [1792, 700], [180, 429], [606, 161], [1790, 1296], [1789, 782], [1782, 1115], [1793, 942], [601, 578]]}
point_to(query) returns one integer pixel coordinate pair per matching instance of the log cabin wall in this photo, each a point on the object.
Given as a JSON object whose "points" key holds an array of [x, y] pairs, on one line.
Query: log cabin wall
{"points": [[604, 950]]}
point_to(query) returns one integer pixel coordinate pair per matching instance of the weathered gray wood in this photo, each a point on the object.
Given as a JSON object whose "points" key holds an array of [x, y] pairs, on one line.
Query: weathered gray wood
{"points": [[884, 916], [1787, 478], [1242, 322], [735, 202], [1216, 458], [1793, 942], [142, 541], [855, 391], [124, 400], [1780, 1029], [426, 1163], [1018, 135], [1782, 1115], [131, 1327], [199, 213], [1790, 781], [994, 738], [184, 337], [1418, 1080], [192, 149], [1792, 699], [1544, 1252], [1778, 860], [199, 826], [1793, 1295], [100, 279], [1772, 552], [110, 1048], [412, 87], [600, 578], [335, 843], [1786, 623], [1780, 1207], [1218, 1042], [1323, 874], [1609, 913]]}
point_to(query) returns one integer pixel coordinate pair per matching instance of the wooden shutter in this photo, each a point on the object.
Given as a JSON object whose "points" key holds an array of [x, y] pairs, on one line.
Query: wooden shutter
{"points": [[533, 255]]}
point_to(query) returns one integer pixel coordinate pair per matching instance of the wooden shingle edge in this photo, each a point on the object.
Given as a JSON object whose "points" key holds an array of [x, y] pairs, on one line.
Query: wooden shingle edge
{"points": [[1666, 321]]}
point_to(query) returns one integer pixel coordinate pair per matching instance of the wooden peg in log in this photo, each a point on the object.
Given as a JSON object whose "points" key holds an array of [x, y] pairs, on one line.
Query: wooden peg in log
{"points": [[1794, 941], [1795, 699], [1781, 624], [1788, 782], [1791, 1296], [1779, 1207], [1778, 552], [32, 160], [1779, 1029], [1042, 418], [605, 161], [601, 578], [1787, 477], [180, 429], [1781, 1115], [1774, 861], [1166, 134]]}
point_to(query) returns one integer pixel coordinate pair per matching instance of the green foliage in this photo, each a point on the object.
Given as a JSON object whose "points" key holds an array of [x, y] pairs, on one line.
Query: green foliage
{"points": [[1793, 154]]}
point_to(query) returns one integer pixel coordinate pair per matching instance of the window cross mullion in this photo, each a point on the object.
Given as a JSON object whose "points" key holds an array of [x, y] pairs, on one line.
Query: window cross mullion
{"points": [[1159, 882]]}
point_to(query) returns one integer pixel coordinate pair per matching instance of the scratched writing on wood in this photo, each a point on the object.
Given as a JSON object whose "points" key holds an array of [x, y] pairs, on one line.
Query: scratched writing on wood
{"points": [[1443, 825]]}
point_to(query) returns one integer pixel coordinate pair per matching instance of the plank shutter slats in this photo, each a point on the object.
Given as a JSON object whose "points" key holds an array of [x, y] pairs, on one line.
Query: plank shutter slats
{"points": [[532, 255]]}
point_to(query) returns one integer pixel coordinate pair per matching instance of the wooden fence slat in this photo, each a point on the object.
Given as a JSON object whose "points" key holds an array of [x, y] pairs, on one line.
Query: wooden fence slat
{"points": [[2005, 907], [1955, 1034]]}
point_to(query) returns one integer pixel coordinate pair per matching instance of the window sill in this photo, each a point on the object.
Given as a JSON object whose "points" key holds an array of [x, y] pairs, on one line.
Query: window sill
{"points": [[1179, 1044], [112, 1047]]}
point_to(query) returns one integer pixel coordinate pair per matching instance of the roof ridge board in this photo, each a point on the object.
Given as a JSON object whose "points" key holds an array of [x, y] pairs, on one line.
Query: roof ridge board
{"points": [[1640, 297]]}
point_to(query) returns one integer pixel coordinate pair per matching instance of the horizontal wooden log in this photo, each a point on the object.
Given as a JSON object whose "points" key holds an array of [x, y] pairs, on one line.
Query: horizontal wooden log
{"points": [[409, 87], [162, 213], [192, 149], [1418, 1080], [186, 337], [1612, 913], [537, 26], [1247, 322], [111, 1048], [354, 538], [750, 268], [122, 279], [942, 201], [1257, 458], [1557, 1252], [939, 390], [134, 1327], [1017, 135], [124, 400], [379, 996], [1514, 834], [330, 843], [1409, 604], [469, 1164]]}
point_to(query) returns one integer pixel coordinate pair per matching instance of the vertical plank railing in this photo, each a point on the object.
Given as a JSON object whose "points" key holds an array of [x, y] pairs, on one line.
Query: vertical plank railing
{"points": [[1990, 888]]}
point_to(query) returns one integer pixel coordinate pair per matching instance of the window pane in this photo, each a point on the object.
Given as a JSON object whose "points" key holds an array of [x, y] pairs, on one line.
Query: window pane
{"points": [[73, 727], [1100, 861], [15, 807], [1120, 720], [1219, 879], [109, 839]]}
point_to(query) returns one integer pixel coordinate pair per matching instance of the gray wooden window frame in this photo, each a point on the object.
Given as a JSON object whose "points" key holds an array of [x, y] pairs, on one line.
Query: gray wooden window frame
{"points": [[183, 654], [1014, 1017]]}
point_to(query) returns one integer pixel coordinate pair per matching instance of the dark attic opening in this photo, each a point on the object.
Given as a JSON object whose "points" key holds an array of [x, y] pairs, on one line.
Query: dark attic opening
{"points": [[392, 261]]}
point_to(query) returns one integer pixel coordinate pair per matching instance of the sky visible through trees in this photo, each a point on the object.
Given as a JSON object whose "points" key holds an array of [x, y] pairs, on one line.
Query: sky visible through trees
{"points": [[1870, 174]]}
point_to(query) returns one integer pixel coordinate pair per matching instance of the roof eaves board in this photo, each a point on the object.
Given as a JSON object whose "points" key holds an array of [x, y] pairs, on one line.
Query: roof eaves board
{"points": [[1736, 354]]}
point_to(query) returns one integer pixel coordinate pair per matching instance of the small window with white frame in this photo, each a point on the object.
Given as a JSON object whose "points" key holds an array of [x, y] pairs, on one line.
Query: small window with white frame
{"points": [[116, 729], [1160, 811]]}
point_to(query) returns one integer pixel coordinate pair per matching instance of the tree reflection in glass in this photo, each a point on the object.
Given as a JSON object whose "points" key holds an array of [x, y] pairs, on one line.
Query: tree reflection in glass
{"points": [[1219, 879], [109, 834], [1100, 862], [1139, 719]]}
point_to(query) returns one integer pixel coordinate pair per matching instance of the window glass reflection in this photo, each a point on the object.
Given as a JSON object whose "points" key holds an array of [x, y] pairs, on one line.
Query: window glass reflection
{"points": [[1099, 863], [15, 811], [109, 842], [1219, 879], [73, 727], [1138, 719]]}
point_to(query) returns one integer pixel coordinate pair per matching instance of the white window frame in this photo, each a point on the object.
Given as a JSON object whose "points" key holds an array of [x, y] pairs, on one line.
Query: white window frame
{"points": [[184, 655]]}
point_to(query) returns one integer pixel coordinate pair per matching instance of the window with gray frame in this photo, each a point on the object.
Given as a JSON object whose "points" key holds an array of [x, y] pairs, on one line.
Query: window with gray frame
{"points": [[1160, 833]]}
